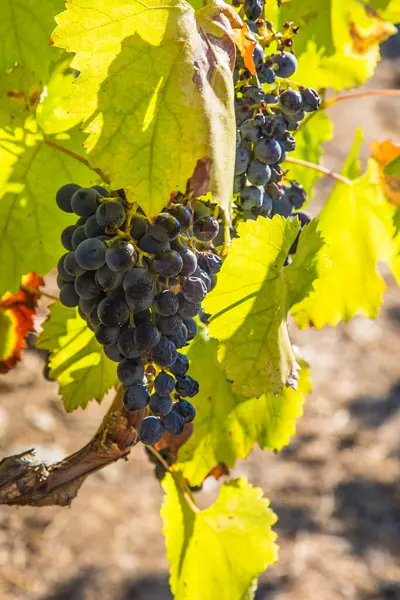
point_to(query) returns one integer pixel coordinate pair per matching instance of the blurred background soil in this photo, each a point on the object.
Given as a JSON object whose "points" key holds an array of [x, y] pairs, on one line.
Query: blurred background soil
{"points": [[334, 488]]}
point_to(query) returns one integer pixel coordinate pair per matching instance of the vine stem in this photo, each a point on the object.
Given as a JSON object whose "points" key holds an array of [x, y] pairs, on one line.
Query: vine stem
{"points": [[188, 499], [324, 170], [75, 156], [360, 94], [25, 481], [38, 292]]}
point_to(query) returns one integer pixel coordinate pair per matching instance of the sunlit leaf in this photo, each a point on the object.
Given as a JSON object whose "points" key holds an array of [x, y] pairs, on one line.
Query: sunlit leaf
{"points": [[387, 156]]}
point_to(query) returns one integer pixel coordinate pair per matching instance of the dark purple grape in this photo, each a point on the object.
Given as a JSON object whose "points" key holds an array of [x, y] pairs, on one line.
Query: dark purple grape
{"points": [[139, 289], [78, 236], [108, 279], [242, 162], [187, 309], [130, 371], [113, 312], [165, 227], [166, 303], [250, 132], [170, 325], [150, 430], [121, 256], [253, 9], [101, 190], [251, 197], [71, 266], [187, 386], [258, 173], [189, 263], [62, 273], [64, 196], [127, 344], [285, 64], [113, 353], [194, 289], [136, 397], [191, 327], [160, 406], [152, 246], [290, 102], [164, 384], [106, 335], [186, 409], [268, 151], [206, 228], [180, 366], [110, 214], [311, 99], [91, 254], [139, 227], [164, 354], [91, 228], [68, 295], [142, 316], [179, 340], [168, 263], [182, 214], [84, 202], [174, 423], [147, 336], [86, 286], [66, 237]]}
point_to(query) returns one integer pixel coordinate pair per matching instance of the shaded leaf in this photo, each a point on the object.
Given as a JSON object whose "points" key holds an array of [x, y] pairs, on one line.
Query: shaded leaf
{"points": [[16, 320], [19, 96], [250, 303], [77, 360], [217, 552], [227, 425], [150, 137]]}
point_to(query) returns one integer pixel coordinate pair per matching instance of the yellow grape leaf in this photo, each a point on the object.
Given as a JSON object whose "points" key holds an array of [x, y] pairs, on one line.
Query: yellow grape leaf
{"points": [[250, 303], [338, 42], [357, 225], [387, 155], [77, 360], [227, 425], [25, 29], [387, 9], [30, 220], [217, 552], [158, 98]]}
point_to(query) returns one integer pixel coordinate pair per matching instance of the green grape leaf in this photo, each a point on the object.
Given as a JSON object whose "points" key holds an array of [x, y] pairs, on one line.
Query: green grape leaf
{"points": [[178, 123], [53, 113], [19, 96], [356, 223], [393, 168], [25, 30], [250, 303], [217, 552], [77, 360], [227, 425], [30, 221], [338, 42], [309, 140]]}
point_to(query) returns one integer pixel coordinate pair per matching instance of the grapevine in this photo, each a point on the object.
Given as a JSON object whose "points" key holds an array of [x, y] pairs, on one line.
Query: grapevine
{"points": [[166, 173]]}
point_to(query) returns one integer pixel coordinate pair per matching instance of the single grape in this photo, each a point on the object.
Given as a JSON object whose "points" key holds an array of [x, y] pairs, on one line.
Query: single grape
{"points": [[311, 99], [194, 289], [139, 289], [66, 277], [147, 336], [78, 236], [92, 228], [108, 279], [187, 386], [127, 344], [250, 197], [274, 125], [150, 430], [136, 397], [170, 325], [151, 245], [87, 305], [180, 339], [258, 173], [139, 227], [142, 316], [60, 282], [189, 263], [242, 110], [296, 195], [266, 75], [191, 327], [182, 214], [266, 207], [180, 366], [186, 409], [164, 384], [242, 162], [166, 303], [274, 190], [276, 174], [268, 151], [110, 214], [186, 308], [92, 318], [91, 254], [121, 256], [160, 406], [84, 202], [258, 55], [165, 227], [130, 371], [205, 229], [253, 9], [270, 98], [113, 353], [174, 423], [250, 132], [101, 190], [290, 102], [106, 335], [287, 141], [282, 207], [71, 266], [64, 196], [68, 295], [168, 263], [66, 237], [113, 311], [285, 64], [252, 94], [164, 354]]}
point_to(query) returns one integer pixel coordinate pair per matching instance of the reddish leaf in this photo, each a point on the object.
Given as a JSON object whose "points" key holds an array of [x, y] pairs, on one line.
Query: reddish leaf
{"points": [[244, 40]]}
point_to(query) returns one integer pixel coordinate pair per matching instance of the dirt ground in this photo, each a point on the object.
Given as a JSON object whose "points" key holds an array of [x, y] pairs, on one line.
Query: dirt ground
{"points": [[335, 488]]}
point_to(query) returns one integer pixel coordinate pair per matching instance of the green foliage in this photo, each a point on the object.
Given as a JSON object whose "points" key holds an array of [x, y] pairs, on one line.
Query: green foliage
{"points": [[250, 303], [227, 425], [338, 42], [77, 360], [208, 555], [149, 137], [25, 29]]}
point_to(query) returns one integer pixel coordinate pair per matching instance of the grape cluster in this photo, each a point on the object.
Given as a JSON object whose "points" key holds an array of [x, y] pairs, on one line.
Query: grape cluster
{"points": [[268, 111], [139, 284]]}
